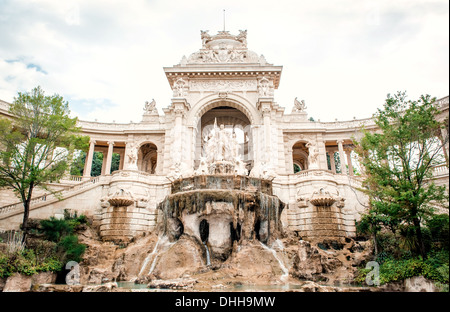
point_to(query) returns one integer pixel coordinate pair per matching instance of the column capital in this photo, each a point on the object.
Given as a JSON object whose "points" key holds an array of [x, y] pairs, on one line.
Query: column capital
{"points": [[92, 141], [265, 105], [110, 142]]}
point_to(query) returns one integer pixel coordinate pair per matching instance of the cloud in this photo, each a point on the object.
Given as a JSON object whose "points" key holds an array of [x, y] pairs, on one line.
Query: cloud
{"points": [[106, 57]]}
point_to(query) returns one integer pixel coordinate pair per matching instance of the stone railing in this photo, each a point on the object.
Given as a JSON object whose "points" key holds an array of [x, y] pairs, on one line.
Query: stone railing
{"points": [[443, 101], [349, 124], [4, 105], [440, 170], [76, 178], [312, 174], [120, 127], [49, 197]]}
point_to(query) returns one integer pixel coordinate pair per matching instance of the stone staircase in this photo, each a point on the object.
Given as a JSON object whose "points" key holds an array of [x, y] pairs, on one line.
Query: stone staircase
{"points": [[46, 204]]}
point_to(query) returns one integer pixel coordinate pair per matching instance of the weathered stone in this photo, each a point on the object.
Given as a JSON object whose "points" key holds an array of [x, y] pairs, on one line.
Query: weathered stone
{"points": [[58, 288], [107, 287], [186, 255], [179, 283], [18, 283], [43, 278], [419, 284]]}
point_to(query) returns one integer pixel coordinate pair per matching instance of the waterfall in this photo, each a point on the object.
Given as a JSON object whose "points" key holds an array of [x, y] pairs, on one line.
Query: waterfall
{"points": [[165, 246], [208, 258], [161, 246], [149, 256], [282, 266]]}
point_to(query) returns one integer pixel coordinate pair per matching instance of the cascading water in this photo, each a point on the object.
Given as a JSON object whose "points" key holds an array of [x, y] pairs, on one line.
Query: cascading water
{"points": [[161, 246], [220, 194], [150, 256], [285, 274], [245, 202], [208, 257]]}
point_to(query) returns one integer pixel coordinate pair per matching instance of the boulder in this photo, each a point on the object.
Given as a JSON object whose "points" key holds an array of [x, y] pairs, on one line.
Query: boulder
{"points": [[179, 283], [43, 278], [184, 256], [58, 288], [107, 287], [307, 263], [18, 283], [419, 284]]}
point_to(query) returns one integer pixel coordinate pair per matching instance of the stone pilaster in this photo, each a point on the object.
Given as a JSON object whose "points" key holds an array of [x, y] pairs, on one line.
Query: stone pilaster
{"points": [[264, 105]]}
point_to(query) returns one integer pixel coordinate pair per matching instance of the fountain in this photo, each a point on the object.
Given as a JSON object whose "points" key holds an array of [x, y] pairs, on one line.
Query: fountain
{"points": [[220, 205]]}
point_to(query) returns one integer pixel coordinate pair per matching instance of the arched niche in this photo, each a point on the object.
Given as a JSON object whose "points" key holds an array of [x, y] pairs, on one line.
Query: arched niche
{"points": [[147, 158], [234, 121], [300, 154]]}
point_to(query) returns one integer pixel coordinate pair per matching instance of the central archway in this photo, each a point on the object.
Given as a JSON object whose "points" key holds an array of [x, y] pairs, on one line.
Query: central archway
{"points": [[234, 121]]}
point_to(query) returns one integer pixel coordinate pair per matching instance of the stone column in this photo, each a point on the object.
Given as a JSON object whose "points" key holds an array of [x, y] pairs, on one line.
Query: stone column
{"points": [[349, 161], [332, 162], [342, 156], [122, 159], [103, 151], [444, 141], [88, 161], [109, 157]]}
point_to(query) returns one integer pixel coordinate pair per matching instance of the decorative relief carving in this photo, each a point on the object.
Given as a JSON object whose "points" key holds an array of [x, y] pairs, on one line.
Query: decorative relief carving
{"points": [[265, 87], [313, 158], [222, 85], [180, 88], [223, 48]]}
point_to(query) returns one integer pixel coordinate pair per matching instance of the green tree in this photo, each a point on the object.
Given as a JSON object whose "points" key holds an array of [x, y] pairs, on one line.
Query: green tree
{"points": [[36, 144], [398, 161]]}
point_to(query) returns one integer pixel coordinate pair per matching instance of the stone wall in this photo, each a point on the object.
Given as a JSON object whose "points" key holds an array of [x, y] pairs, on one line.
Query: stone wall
{"points": [[121, 224]]}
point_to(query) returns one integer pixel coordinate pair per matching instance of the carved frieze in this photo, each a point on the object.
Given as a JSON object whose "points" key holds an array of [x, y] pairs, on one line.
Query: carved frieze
{"points": [[223, 85]]}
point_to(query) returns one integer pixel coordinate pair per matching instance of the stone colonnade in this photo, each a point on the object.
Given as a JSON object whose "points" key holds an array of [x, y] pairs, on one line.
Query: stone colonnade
{"points": [[344, 151], [327, 147], [107, 158]]}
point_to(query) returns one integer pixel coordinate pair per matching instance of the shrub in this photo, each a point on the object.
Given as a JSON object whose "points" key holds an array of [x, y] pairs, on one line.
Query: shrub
{"points": [[72, 250], [61, 231], [435, 268], [25, 262], [54, 229], [438, 225]]}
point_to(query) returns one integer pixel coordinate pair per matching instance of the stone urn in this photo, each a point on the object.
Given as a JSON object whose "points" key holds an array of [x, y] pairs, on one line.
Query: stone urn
{"points": [[121, 199], [322, 198]]}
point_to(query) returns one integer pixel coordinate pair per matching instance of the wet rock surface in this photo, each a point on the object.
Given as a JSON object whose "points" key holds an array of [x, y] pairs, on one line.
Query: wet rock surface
{"points": [[154, 260]]}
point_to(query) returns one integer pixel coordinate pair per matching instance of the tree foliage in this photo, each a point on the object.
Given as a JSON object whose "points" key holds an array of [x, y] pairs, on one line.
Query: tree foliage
{"points": [[36, 144], [398, 161]]}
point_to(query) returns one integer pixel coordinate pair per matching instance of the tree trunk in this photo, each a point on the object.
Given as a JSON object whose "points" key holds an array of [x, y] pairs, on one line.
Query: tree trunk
{"points": [[420, 246], [26, 213]]}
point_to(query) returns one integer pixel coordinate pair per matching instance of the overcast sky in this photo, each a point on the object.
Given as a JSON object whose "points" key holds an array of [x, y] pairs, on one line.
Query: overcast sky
{"points": [[107, 57]]}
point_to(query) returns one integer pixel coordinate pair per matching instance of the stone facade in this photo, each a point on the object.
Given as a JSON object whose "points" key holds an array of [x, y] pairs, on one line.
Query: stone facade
{"points": [[226, 85]]}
